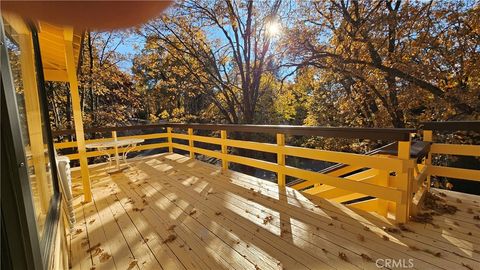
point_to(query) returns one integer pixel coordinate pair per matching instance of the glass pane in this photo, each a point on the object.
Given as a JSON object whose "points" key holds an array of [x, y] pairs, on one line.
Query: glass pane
{"points": [[33, 129]]}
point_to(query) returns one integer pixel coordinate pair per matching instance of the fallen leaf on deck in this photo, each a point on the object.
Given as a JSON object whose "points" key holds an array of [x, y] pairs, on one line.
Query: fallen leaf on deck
{"points": [[414, 248], [404, 228], [439, 205], [267, 219], [343, 256], [97, 251], [93, 247], [366, 257], [132, 264], [170, 238], [422, 218], [105, 256], [436, 254], [361, 238]]}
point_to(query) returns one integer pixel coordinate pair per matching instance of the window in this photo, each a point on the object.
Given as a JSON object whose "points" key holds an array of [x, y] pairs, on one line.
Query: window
{"points": [[33, 127]]}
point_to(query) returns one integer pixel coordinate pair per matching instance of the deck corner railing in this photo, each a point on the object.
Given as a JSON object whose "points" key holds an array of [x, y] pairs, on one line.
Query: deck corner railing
{"points": [[429, 130], [389, 182]]}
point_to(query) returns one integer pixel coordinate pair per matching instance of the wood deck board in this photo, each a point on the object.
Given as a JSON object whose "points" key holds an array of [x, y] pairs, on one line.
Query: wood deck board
{"points": [[178, 223], [80, 258], [305, 235], [211, 211], [361, 213], [421, 238], [219, 223], [150, 238], [122, 253], [179, 247], [379, 243], [99, 247], [142, 255]]}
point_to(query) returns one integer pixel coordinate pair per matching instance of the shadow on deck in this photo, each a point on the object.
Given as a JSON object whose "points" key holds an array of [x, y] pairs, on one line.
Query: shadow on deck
{"points": [[171, 212]]}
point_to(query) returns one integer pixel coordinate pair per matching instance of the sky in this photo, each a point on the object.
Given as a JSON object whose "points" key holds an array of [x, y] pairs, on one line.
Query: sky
{"points": [[134, 43], [129, 47]]}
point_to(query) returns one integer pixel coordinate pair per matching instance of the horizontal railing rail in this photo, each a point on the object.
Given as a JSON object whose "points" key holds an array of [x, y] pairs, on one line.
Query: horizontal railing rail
{"points": [[452, 126], [400, 167], [64, 132], [387, 134], [429, 129]]}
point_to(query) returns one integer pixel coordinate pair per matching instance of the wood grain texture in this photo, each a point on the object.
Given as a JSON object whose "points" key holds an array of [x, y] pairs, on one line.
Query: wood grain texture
{"points": [[172, 212]]}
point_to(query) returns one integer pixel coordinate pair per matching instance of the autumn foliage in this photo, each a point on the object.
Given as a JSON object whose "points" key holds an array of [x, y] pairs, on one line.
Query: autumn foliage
{"points": [[335, 63]]}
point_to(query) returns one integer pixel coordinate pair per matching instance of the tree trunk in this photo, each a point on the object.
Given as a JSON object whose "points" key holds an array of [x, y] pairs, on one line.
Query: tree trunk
{"points": [[68, 110], [90, 83], [396, 113]]}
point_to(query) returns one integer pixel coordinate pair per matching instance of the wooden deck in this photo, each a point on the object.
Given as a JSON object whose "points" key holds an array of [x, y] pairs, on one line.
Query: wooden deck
{"points": [[170, 212]]}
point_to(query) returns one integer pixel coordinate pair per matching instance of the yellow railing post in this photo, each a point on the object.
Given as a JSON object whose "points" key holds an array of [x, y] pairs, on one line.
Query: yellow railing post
{"points": [[428, 137], [280, 159], [169, 138], [404, 179], [77, 113], [383, 180], [223, 136], [117, 159], [190, 143]]}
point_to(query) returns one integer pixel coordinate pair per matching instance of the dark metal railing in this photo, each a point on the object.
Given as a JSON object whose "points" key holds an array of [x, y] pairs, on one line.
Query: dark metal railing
{"points": [[387, 134]]}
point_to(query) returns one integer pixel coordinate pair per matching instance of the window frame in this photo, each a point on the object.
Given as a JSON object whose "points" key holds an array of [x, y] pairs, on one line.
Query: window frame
{"points": [[27, 249]]}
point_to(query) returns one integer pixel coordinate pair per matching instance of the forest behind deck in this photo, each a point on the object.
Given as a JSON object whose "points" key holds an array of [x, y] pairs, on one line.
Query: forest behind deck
{"points": [[170, 212]]}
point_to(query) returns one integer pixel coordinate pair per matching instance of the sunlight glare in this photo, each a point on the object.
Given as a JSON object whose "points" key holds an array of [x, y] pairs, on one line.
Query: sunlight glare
{"points": [[273, 28]]}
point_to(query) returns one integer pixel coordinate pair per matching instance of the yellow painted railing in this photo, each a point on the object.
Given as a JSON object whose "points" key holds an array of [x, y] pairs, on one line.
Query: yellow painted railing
{"points": [[89, 154], [391, 184], [451, 149], [425, 170]]}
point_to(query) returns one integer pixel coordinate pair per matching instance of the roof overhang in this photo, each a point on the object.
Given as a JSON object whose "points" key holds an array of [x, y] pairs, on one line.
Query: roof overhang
{"points": [[52, 39], [52, 48]]}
